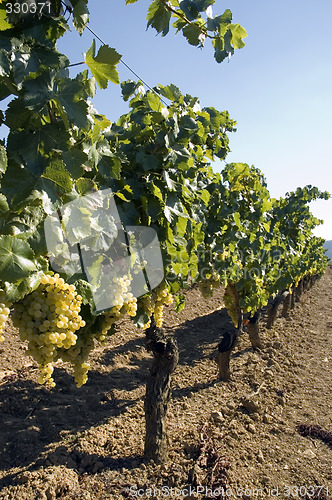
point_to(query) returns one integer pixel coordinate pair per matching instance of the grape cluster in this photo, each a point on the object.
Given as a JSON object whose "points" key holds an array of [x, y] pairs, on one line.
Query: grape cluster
{"points": [[4, 313], [231, 304], [207, 286], [154, 304], [48, 319], [124, 303], [78, 356]]}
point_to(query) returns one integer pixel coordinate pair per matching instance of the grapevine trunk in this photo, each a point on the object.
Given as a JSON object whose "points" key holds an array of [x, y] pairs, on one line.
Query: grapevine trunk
{"points": [[158, 391]]}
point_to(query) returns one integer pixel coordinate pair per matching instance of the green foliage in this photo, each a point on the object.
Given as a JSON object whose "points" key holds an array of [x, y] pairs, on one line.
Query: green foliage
{"points": [[103, 65], [155, 158]]}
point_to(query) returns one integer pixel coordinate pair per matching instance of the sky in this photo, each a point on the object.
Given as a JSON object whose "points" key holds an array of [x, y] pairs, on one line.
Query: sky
{"points": [[278, 88]]}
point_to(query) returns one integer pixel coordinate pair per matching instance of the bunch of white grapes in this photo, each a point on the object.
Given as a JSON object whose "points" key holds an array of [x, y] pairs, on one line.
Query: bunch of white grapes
{"points": [[123, 303], [78, 356], [154, 304], [4, 313], [48, 319], [207, 286], [231, 304]]}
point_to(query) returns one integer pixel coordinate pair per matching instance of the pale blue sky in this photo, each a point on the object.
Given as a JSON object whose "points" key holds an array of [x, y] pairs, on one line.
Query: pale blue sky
{"points": [[277, 88]]}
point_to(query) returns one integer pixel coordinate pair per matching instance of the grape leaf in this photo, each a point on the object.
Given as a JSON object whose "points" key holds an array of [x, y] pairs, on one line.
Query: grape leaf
{"points": [[3, 159], [128, 88], [16, 259], [57, 173], [103, 65], [4, 63], [4, 24], [17, 291], [159, 17], [80, 15]]}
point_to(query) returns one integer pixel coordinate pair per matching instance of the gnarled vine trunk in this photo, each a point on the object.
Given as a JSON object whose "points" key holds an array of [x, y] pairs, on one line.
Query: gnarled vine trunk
{"points": [[292, 303], [225, 349], [273, 308], [299, 291], [286, 306], [158, 390]]}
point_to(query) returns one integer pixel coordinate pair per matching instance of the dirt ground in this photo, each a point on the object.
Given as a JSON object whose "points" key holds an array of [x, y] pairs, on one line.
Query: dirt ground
{"points": [[240, 437]]}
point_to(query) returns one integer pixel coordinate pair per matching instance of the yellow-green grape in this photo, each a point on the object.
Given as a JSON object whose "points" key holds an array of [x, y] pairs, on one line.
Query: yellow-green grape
{"points": [[48, 319], [158, 315], [162, 297], [80, 372], [147, 304], [123, 303], [4, 313], [153, 304], [222, 256], [206, 287], [215, 280]]}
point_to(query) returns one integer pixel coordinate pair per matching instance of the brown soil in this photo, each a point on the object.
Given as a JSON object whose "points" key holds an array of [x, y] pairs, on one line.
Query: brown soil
{"points": [[87, 443]]}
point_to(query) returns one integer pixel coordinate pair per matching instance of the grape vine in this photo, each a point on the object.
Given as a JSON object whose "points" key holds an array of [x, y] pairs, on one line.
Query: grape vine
{"points": [[214, 229]]}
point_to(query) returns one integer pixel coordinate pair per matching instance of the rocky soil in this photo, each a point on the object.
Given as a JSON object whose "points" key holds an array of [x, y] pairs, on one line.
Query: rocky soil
{"points": [[238, 439]]}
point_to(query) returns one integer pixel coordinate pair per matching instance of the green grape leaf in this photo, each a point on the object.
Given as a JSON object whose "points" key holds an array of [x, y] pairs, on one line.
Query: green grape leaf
{"points": [[110, 166], [154, 101], [121, 196], [75, 108], [4, 91], [171, 92], [3, 204], [168, 214], [147, 161], [202, 5], [220, 23], [189, 9], [159, 17], [17, 291], [80, 15], [192, 8], [57, 173], [188, 123], [4, 63], [180, 302], [181, 226], [238, 33], [193, 33], [155, 190], [128, 88], [4, 24], [205, 196], [85, 186], [16, 259], [141, 318], [103, 66], [85, 290], [37, 91], [74, 160], [169, 182], [220, 53], [3, 159]]}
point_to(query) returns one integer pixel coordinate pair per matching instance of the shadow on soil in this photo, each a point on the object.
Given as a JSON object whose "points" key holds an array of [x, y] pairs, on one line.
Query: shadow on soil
{"points": [[32, 417]]}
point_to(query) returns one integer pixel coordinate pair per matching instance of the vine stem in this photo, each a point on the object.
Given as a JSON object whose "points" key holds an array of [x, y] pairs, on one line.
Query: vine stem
{"points": [[75, 64]]}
